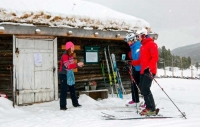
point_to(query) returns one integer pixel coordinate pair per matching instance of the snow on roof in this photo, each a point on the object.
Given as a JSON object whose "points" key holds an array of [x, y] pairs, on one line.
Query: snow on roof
{"points": [[68, 13]]}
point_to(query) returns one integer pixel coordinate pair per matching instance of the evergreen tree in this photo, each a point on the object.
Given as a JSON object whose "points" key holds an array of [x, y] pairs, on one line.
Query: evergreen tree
{"points": [[166, 58], [197, 65]]}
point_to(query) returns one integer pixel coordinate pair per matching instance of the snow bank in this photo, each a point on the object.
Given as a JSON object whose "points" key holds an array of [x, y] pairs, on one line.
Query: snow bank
{"points": [[6, 108], [68, 13]]}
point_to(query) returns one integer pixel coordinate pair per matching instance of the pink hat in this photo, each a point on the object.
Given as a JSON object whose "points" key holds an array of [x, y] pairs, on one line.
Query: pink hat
{"points": [[68, 45]]}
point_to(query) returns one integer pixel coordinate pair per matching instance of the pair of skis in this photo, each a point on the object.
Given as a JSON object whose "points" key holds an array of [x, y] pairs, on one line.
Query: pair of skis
{"points": [[116, 75], [113, 117]]}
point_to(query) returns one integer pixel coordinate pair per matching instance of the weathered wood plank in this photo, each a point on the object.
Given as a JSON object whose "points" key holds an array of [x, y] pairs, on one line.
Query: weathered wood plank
{"points": [[34, 91], [76, 47], [51, 31]]}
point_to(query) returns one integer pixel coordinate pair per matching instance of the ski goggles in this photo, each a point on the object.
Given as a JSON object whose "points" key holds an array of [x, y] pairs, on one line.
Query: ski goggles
{"points": [[140, 36]]}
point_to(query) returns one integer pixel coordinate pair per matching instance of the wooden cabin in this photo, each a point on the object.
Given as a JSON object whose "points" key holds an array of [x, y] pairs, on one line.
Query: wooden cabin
{"points": [[30, 51], [30, 60]]}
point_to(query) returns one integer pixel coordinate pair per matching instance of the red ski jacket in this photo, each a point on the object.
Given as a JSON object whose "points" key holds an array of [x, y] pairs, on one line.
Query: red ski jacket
{"points": [[148, 56]]}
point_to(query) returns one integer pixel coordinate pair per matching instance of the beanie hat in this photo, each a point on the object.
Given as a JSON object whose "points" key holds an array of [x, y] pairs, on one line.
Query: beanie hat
{"points": [[68, 45]]}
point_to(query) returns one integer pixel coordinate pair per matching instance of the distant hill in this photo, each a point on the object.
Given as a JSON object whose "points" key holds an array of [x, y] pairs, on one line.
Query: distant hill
{"points": [[190, 50]]}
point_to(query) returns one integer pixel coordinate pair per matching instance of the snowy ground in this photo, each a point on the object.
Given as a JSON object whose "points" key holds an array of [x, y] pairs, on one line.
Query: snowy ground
{"points": [[184, 93]]}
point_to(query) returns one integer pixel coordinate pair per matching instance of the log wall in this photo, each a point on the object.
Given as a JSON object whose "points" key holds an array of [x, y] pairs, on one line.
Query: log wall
{"points": [[83, 75], [94, 71], [6, 61]]}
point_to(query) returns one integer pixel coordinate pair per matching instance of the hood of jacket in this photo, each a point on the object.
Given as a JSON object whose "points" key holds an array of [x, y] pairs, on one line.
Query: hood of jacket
{"points": [[146, 40]]}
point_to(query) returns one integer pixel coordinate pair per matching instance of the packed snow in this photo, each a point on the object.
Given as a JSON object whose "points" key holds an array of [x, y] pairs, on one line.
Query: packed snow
{"points": [[68, 13], [192, 72], [183, 92]]}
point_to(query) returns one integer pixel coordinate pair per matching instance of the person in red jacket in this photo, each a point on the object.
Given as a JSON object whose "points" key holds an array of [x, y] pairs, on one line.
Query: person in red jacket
{"points": [[66, 76], [148, 61]]}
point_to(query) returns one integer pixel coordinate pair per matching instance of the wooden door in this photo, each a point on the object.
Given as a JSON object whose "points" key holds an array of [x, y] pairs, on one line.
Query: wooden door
{"points": [[35, 64]]}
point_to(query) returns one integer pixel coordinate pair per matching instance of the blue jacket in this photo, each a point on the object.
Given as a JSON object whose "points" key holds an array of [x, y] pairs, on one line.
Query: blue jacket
{"points": [[135, 53]]}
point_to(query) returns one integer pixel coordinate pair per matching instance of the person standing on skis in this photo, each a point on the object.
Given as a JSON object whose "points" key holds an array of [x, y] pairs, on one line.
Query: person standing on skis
{"points": [[134, 55], [148, 61], [66, 76]]}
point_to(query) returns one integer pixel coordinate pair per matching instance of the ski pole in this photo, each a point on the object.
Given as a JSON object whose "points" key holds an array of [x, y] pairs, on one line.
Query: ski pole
{"points": [[132, 79], [150, 75], [133, 82]]}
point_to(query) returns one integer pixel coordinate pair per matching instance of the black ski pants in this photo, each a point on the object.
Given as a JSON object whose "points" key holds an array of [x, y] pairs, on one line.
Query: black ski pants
{"points": [[63, 92], [145, 85], [134, 89]]}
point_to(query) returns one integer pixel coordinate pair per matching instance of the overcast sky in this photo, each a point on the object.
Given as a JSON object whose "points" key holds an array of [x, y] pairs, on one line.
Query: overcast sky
{"points": [[176, 21]]}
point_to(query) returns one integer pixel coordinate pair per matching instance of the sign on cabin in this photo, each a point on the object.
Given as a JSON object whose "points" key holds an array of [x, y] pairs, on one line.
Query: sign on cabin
{"points": [[91, 54]]}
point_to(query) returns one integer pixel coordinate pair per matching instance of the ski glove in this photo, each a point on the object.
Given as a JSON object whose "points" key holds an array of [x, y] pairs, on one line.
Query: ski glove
{"points": [[148, 72]]}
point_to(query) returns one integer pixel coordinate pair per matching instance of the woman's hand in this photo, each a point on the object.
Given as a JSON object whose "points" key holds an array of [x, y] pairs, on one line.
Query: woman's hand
{"points": [[80, 64]]}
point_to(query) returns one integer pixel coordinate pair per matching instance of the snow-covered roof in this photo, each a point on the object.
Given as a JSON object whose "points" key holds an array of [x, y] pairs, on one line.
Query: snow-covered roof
{"points": [[67, 13]]}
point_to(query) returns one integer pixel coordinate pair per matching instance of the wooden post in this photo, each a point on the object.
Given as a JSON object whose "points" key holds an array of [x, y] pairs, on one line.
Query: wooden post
{"points": [[181, 68], [164, 69], [172, 67], [192, 75]]}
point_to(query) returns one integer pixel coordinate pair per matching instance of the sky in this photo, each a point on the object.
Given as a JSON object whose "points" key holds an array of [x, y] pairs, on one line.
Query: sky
{"points": [[176, 21], [183, 92]]}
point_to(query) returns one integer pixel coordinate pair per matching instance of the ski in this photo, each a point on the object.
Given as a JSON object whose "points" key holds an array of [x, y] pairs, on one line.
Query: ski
{"points": [[103, 73], [112, 117], [109, 75], [157, 111], [134, 105], [117, 76], [119, 88], [125, 111], [114, 74], [107, 115], [142, 117]]}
